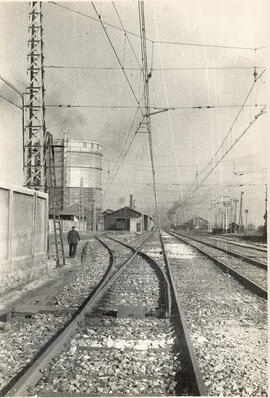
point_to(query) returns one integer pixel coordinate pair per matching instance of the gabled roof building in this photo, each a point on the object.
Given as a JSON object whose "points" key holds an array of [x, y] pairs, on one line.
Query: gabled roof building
{"points": [[127, 219]]}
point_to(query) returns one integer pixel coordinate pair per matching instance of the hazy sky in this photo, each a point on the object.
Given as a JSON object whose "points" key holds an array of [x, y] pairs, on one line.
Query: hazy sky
{"points": [[184, 139]]}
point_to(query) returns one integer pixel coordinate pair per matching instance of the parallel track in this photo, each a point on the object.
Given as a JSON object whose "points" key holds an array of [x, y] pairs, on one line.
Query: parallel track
{"points": [[246, 258], [249, 283], [243, 245]]}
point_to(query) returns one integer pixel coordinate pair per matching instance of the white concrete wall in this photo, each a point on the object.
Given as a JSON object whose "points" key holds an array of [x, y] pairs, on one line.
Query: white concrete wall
{"points": [[23, 234]]}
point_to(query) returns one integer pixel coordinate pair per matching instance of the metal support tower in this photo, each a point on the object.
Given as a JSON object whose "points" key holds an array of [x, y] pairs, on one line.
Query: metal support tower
{"points": [[147, 117], [35, 135]]}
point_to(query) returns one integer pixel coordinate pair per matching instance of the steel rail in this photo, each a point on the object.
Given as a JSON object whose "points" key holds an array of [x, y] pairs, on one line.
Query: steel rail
{"points": [[231, 253], [154, 264], [247, 246], [252, 286], [193, 373], [31, 372], [178, 309]]}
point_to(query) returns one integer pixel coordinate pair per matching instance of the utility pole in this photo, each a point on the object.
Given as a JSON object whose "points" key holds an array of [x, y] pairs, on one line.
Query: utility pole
{"points": [[246, 211], [235, 213], [240, 212], [35, 135]]}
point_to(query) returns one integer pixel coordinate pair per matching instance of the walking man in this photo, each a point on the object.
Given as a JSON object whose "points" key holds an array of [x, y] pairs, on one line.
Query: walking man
{"points": [[73, 239]]}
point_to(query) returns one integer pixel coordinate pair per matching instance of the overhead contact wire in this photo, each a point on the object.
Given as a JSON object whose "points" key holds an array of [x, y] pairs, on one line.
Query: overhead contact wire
{"points": [[228, 150], [235, 120]]}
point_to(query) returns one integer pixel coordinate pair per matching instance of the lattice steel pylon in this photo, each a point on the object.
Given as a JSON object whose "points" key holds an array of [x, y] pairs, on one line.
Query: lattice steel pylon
{"points": [[35, 134]]}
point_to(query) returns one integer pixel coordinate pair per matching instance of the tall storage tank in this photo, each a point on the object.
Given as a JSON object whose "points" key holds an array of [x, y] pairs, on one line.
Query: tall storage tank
{"points": [[83, 168]]}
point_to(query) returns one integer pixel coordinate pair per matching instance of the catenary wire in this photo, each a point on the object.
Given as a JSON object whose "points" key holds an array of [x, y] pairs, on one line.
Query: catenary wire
{"points": [[228, 150], [12, 103], [152, 68], [173, 108], [235, 119], [159, 41]]}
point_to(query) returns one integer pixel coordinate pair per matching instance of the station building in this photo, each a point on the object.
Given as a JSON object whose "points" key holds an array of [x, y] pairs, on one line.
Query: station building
{"points": [[127, 219]]}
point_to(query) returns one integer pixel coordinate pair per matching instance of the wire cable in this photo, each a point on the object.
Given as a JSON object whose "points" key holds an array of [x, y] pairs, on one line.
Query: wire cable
{"points": [[159, 41], [228, 150], [174, 108], [126, 35], [13, 103], [234, 121], [93, 18], [152, 68], [208, 45], [117, 57]]}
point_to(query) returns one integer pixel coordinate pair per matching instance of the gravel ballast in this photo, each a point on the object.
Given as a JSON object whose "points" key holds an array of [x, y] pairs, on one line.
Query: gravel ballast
{"points": [[250, 271], [129, 358], [20, 340], [123, 355], [227, 324]]}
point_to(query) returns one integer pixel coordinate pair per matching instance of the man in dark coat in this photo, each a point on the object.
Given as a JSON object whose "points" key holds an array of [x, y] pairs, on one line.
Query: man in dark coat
{"points": [[73, 239]]}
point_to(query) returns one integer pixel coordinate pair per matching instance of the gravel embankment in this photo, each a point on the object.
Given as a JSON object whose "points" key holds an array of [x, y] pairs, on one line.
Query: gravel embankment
{"points": [[20, 340], [227, 324]]}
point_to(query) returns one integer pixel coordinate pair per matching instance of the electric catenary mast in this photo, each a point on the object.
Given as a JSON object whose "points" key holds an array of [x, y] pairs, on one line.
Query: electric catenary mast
{"points": [[35, 135], [147, 116]]}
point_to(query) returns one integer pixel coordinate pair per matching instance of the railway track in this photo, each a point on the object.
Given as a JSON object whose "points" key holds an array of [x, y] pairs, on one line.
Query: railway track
{"points": [[227, 323], [248, 254], [255, 246], [126, 338], [251, 273]]}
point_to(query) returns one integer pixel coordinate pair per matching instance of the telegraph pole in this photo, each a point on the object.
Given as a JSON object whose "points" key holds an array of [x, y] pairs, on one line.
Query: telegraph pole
{"points": [[35, 134]]}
